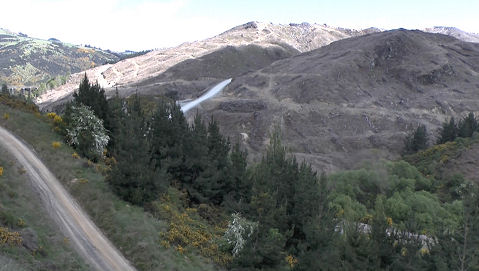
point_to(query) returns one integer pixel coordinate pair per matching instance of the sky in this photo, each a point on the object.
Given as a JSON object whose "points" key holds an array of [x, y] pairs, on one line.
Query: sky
{"points": [[148, 24]]}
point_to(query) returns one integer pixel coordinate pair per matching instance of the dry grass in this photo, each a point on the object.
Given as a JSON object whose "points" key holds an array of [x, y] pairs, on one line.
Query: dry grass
{"points": [[133, 231]]}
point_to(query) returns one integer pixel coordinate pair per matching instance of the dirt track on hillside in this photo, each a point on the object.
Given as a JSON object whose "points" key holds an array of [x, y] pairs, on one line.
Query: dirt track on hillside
{"points": [[88, 240]]}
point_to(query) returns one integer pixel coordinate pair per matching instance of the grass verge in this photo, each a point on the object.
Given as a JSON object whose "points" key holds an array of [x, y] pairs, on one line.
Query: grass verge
{"points": [[134, 232]]}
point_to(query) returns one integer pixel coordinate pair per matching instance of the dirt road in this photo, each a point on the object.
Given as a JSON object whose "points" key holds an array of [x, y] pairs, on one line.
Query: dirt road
{"points": [[88, 240]]}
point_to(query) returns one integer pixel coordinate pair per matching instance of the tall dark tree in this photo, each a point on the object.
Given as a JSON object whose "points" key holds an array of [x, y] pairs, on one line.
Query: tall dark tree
{"points": [[467, 126], [134, 177], [448, 132], [284, 201], [177, 134], [93, 95], [116, 112], [237, 191], [4, 89], [417, 140], [213, 180], [321, 247], [196, 158]]}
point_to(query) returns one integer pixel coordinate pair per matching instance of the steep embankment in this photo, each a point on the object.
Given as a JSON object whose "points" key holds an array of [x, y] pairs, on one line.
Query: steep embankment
{"points": [[87, 238], [354, 99], [241, 49], [136, 233], [43, 246]]}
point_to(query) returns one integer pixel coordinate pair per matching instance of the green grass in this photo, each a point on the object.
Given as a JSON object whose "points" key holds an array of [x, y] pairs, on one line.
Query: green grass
{"points": [[47, 249], [134, 232]]}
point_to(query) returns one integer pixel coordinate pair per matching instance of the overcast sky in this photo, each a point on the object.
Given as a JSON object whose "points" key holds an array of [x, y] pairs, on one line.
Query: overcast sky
{"points": [[146, 24]]}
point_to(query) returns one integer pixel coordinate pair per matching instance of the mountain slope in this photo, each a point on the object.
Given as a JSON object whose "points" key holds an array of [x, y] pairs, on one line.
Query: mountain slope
{"points": [[454, 32], [145, 70], [354, 99], [26, 61]]}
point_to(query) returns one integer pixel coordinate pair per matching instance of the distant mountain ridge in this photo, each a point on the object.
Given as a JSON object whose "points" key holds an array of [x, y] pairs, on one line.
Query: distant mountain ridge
{"points": [[26, 61], [454, 32], [146, 72], [151, 73]]}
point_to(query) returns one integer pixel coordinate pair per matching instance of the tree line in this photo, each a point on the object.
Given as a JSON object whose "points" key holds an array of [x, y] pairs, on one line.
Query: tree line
{"points": [[418, 139], [285, 216]]}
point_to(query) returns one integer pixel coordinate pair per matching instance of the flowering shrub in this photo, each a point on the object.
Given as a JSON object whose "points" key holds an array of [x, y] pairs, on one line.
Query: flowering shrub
{"points": [[10, 238], [238, 232], [291, 260], [6, 116], [1, 171], [56, 144], [85, 131], [51, 115], [57, 120], [187, 231]]}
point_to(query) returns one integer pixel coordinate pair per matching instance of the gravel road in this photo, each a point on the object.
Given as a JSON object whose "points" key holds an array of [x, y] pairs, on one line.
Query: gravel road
{"points": [[88, 240]]}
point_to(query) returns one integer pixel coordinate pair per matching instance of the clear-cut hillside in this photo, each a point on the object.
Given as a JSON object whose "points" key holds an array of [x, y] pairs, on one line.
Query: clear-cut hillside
{"points": [[353, 100], [259, 42]]}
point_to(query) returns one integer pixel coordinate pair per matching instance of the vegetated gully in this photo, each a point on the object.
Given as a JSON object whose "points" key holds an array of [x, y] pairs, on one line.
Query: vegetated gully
{"points": [[88, 240]]}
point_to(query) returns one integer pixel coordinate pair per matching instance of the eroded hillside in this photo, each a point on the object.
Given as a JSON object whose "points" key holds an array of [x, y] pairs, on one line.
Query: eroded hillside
{"points": [[264, 42], [353, 100]]}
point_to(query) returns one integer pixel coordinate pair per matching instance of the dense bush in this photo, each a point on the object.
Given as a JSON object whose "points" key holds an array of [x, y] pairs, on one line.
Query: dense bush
{"points": [[85, 131]]}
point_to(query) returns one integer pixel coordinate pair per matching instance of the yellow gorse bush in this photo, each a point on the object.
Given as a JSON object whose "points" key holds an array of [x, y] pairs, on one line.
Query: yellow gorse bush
{"points": [[291, 260], [57, 120], [10, 238], [56, 144], [51, 115], [6, 116], [1, 171], [185, 231]]}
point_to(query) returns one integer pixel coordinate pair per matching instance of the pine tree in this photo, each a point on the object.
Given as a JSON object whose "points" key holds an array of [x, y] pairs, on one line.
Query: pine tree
{"points": [[237, 190], [416, 141], [4, 89], [134, 177], [115, 115], [93, 96], [467, 126], [196, 159], [177, 135], [448, 132]]}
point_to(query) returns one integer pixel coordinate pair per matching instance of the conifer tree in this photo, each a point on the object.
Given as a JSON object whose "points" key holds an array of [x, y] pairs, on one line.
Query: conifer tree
{"points": [[212, 181], [134, 177], [116, 113], [237, 192], [417, 140], [196, 158], [4, 88], [448, 132], [93, 96], [467, 126]]}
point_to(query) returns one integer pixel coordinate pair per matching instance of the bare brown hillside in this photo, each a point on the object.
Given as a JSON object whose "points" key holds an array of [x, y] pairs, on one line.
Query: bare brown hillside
{"points": [[353, 100], [146, 71]]}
